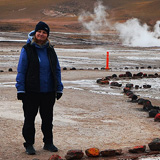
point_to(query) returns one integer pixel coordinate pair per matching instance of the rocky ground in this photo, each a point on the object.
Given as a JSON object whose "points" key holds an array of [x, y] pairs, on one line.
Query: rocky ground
{"points": [[82, 119]]}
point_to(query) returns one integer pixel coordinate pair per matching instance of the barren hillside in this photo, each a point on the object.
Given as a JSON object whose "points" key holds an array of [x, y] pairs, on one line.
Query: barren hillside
{"points": [[62, 14]]}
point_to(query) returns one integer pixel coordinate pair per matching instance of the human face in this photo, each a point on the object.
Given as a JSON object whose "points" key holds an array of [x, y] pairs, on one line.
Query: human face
{"points": [[41, 36]]}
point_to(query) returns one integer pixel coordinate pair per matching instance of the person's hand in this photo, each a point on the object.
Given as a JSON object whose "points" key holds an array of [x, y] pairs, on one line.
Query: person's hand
{"points": [[59, 95], [20, 96]]}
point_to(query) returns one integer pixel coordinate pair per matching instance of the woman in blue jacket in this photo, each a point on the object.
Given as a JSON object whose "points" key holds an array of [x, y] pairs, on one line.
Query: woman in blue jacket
{"points": [[38, 85]]}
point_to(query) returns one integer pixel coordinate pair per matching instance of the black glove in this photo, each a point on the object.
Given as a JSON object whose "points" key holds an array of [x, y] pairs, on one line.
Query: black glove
{"points": [[20, 96], [59, 95]]}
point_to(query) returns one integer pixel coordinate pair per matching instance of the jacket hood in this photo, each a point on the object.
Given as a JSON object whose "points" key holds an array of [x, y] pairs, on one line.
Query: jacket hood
{"points": [[30, 36]]}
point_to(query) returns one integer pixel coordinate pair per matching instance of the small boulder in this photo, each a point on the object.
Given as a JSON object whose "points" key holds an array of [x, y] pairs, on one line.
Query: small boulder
{"points": [[55, 157], [157, 117], [73, 68], [122, 75], [141, 101], [126, 89], [108, 153], [115, 84], [128, 74], [154, 145], [137, 149], [92, 152], [129, 85], [65, 68], [153, 112], [147, 105], [136, 86], [10, 70], [114, 76], [74, 154], [146, 86]]}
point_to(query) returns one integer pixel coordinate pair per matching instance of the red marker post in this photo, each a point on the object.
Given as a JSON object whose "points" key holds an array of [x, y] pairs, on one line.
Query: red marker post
{"points": [[107, 61]]}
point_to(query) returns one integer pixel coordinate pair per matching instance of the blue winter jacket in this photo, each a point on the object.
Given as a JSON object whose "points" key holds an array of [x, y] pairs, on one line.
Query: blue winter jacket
{"points": [[46, 79]]}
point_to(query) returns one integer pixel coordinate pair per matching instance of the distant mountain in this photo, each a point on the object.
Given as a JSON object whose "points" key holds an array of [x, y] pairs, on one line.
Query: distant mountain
{"points": [[22, 15]]}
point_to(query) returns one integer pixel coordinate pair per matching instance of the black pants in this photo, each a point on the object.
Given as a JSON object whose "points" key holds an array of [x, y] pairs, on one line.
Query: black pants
{"points": [[33, 102]]}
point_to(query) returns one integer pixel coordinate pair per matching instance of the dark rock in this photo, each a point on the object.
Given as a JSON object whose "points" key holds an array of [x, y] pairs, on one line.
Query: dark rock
{"points": [[151, 76], [128, 74], [122, 75], [153, 112], [95, 68], [157, 117], [108, 77], [10, 70], [126, 89], [119, 152], [154, 145], [104, 82], [119, 85], [145, 75], [134, 97], [137, 149], [65, 68], [149, 67], [156, 74], [92, 152], [1, 71], [137, 67], [98, 80], [108, 153], [146, 86], [115, 84], [55, 157], [114, 76], [147, 105], [140, 74], [156, 107], [129, 85], [73, 68], [129, 93], [141, 101], [74, 154], [136, 86]]}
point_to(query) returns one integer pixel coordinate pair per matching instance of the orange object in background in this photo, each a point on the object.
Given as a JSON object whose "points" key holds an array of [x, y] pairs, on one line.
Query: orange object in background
{"points": [[107, 61]]}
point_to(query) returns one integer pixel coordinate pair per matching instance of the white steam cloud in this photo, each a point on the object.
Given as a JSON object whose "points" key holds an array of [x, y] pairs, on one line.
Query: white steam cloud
{"points": [[96, 22], [131, 33]]}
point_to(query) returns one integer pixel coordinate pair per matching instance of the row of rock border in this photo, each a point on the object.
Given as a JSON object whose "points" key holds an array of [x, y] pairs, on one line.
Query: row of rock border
{"points": [[103, 68], [132, 154]]}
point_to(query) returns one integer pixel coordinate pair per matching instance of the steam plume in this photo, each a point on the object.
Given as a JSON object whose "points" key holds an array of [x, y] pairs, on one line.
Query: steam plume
{"points": [[97, 21], [131, 33]]}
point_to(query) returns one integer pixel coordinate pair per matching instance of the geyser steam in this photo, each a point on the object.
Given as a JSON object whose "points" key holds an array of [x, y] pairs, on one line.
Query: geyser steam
{"points": [[96, 22], [131, 33]]}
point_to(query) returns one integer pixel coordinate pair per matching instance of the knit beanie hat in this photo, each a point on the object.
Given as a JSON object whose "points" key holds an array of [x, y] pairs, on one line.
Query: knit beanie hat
{"points": [[42, 26]]}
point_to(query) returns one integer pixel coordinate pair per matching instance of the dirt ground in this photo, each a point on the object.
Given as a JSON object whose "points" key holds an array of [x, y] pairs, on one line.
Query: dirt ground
{"points": [[82, 119]]}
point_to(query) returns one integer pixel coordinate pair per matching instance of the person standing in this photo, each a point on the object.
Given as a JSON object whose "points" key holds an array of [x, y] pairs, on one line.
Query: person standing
{"points": [[38, 84]]}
